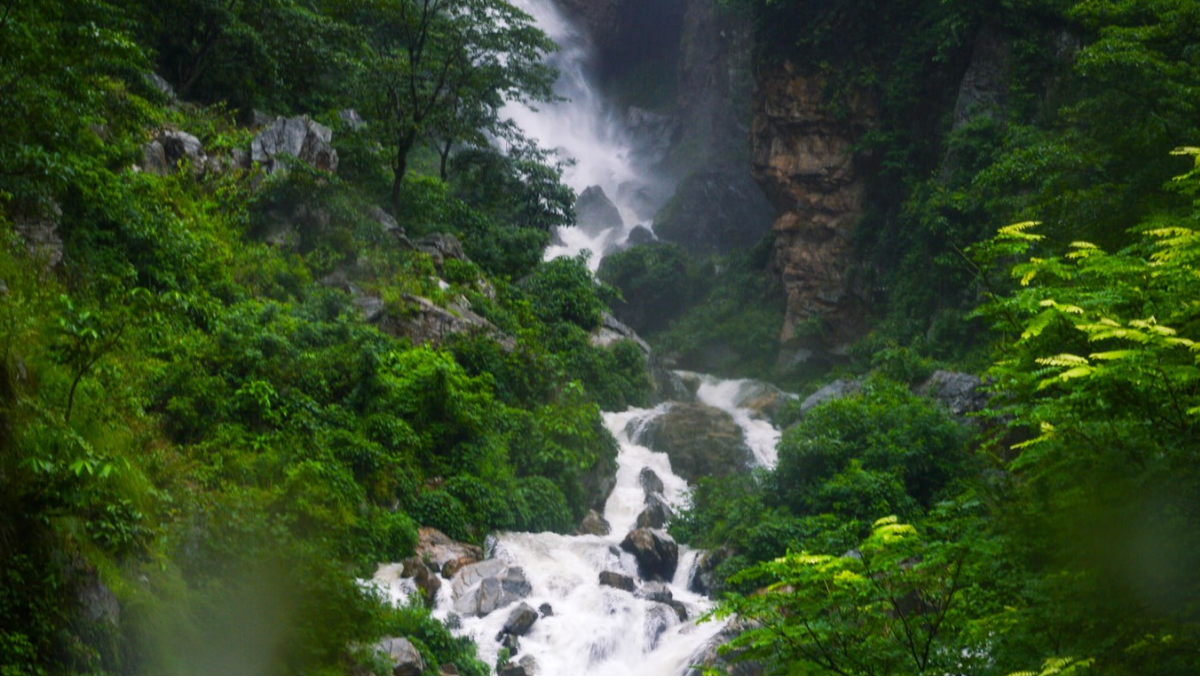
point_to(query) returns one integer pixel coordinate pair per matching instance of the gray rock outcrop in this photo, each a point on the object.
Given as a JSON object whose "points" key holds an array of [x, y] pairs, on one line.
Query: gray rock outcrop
{"points": [[594, 212], [298, 137], [656, 553], [401, 655], [699, 440], [480, 589]]}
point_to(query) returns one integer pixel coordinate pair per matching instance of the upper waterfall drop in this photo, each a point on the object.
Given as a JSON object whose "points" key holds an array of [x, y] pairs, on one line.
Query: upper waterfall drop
{"points": [[586, 133]]}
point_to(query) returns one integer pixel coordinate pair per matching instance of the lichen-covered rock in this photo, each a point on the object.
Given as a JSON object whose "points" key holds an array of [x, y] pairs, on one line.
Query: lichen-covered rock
{"points": [[298, 137]]}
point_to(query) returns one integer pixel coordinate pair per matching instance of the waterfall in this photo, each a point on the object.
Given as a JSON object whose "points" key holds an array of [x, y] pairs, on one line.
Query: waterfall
{"points": [[584, 131]]}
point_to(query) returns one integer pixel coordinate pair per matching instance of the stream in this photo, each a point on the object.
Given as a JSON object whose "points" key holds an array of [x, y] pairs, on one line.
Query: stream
{"points": [[585, 627]]}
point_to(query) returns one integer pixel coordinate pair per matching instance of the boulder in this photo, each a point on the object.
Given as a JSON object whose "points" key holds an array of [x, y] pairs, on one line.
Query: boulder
{"points": [[655, 591], [440, 247], [594, 212], [446, 553], [402, 655], [351, 118], [715, 212], [482, 588], [526, 666], [519, 621], [655, 514], [656, 553], [657, 621], [545, 609], [699, 440], [510, 642], [651, 483], [425, 322], [961, 393], [425, 578], [298, 137], [599, 481], [161, 85], [616, 580], [448, 669], [704, 578], [163, 155], [835, 390], [594, 524]]}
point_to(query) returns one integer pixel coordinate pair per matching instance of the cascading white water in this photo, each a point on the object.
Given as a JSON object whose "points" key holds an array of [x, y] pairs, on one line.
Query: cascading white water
{"points": [[595, 629], [582, 128]]}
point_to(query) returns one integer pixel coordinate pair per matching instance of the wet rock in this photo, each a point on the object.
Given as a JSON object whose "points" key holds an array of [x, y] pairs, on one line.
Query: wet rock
{"points": [[656, 553], [529, 664], [482, 588], [657, 621], [594, 524], [835, 390], [618, 581], [403, 656], [704, 579], [711, 658], [961, 393], [519, 621], [598, 482], [594, 212], [655, 514], [545, 610], [655, 133], [655, 591], [448, 669], [510, 642], [298, 137], [425, 578], [700, 441], [651, 483]]}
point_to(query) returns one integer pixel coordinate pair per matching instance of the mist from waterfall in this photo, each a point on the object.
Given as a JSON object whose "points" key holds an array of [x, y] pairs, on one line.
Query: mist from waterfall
{"points": [[584, 131]]}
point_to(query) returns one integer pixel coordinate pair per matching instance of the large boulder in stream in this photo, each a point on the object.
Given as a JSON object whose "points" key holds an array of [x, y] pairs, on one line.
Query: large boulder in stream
{"points": [[482, 588], [699, 440], [656, 553]]}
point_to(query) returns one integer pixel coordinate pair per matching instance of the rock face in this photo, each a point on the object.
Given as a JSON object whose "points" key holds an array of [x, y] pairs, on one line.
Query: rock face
{"points": [[803, 157], [594, 212], [440, 247], [656, 553], [163, 155], [715, 212], [700, 441], [403, 656], [299, 137], [425, 578]]}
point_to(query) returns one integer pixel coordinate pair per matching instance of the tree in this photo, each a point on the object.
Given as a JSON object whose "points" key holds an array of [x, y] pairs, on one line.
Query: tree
{"points": [[444, 68]]}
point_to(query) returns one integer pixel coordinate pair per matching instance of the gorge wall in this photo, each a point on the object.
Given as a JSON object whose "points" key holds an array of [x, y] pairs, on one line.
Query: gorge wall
{"points": [[803, 156]]}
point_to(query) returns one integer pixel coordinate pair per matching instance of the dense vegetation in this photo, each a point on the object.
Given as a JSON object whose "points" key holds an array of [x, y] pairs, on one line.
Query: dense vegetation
{"points": [[1055, 531], [207, 431], [198, 418]]}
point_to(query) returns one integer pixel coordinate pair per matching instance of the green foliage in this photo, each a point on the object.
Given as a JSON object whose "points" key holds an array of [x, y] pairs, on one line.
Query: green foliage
{"points": [[880, 450], [656, 281], [893, 607], [563, 290]]}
